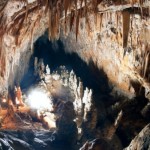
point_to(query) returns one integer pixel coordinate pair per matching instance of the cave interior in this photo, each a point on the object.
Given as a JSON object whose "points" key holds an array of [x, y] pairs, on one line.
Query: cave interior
{"points": [[74, 75]]}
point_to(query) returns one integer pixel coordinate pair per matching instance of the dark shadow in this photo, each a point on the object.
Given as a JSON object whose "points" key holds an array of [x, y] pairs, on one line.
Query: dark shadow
{"points": [[54, 55], [132, 115], [139, 90]]}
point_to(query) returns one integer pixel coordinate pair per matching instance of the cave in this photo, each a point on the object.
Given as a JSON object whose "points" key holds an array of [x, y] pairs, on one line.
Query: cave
{"points": [[74, 75]]}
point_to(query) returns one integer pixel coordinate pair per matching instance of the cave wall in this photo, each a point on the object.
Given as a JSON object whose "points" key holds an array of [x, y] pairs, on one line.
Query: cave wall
{"points": [[115, 39], [21, 24]]}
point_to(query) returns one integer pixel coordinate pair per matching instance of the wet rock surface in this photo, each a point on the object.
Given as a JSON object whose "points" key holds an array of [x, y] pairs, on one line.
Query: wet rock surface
{"points": [[29, 140]]}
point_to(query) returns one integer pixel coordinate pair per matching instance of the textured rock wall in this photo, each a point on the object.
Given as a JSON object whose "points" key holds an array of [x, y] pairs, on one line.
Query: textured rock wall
{"points": [[141, 141], [114, 35], [21, 24], [117, 41]]}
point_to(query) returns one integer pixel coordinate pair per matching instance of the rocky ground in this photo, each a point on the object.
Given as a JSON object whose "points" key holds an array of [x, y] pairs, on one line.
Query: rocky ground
{"points": [[29, 140]]}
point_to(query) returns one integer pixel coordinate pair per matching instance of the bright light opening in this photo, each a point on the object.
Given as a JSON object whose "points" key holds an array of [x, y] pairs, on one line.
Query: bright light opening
{"points": [[39, 100]]}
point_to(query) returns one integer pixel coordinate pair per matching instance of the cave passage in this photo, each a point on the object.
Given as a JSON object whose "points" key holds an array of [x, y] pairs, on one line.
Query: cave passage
{"points": [[54, 55], [68, 102], [74, 74]]}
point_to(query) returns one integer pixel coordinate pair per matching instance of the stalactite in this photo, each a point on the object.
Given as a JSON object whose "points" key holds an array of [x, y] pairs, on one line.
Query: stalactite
{"points": [[131, 32], [95, 18], [49, 23], [77, 24], [110, 16], [12, 64], [1, 49], [3, 66], [81, 3], [88, 28], [117, 18], [55, 13], [126, 27], [76, 3], [146, 64], [27, 9], [72, 18], [142, 64], [53, 17], [85, 7], [146, 60], [140, 2], [32, 31], [94, 4], [18, 32], [58, 10], [55, 25], [106, 16], [101, 20], [46, 6], [66, 4]]}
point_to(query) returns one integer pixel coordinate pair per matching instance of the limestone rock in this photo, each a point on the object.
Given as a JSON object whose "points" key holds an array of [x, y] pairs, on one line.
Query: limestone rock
{"points": [[97, 144], [66, 128], [141, 141]]}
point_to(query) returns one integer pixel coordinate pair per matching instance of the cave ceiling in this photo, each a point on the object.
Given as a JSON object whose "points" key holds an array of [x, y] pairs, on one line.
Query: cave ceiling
{"points": [[23, 21]]}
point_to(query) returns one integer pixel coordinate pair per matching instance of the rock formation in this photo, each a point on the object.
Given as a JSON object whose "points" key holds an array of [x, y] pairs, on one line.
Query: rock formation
{"points": [[112, 36], [119, 22], [141, 141]]}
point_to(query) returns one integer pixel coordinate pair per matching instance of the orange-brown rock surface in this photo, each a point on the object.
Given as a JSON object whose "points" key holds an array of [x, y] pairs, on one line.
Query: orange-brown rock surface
{"points": [[112, 34]]}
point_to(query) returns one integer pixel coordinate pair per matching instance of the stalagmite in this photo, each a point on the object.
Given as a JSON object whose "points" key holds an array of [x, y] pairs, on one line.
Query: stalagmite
{"points": [[35, 66], [87, 100], [80, 90], [71, 79], [48, 72], [112, 40]]}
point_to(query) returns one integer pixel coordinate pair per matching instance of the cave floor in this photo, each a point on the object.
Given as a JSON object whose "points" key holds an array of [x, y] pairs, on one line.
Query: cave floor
{"points": [[29, 140]]}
